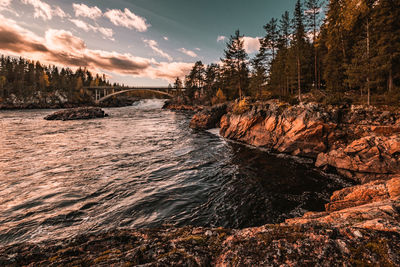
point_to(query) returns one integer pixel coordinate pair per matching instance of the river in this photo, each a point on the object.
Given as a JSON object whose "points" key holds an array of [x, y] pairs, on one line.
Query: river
{"points": [[141, 167]]}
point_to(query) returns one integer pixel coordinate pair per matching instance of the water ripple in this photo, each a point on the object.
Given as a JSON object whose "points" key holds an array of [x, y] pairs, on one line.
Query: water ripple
{"points": [[140, 167]]}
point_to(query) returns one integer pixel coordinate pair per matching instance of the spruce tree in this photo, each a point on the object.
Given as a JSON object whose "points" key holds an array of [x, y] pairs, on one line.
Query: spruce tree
{"points": [[299, 41], [313, 9], [235, 64], [385, 21]]}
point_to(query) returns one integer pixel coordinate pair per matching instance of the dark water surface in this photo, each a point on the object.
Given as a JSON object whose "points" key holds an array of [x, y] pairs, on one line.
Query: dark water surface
{"points": [[140, 167]]}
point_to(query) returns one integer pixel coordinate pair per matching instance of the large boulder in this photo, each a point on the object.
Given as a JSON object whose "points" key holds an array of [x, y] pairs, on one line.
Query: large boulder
{"points": [[366, 158], [373, 206], [77, 114], [298, 130]]}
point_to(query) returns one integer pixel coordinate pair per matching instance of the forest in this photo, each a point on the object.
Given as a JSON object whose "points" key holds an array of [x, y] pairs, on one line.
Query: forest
{"points": [[337, 51], [24, 79]]}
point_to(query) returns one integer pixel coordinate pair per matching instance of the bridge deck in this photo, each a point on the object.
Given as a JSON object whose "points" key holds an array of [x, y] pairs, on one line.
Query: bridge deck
{"points": [[131, 88]]}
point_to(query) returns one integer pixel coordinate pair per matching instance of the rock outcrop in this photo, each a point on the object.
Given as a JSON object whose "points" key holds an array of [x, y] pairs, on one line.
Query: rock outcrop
{"points": [[208, 118], [77, 114], [180, 105], [344, 235], [362, 145], [298, 130], [371, 206], [365, 159]]}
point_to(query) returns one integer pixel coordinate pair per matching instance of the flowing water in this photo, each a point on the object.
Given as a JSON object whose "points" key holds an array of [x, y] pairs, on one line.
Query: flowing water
{"points": [[140, 167]]}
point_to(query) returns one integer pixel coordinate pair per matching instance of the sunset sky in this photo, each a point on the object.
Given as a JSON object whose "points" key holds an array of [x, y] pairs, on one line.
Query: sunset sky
{"points": [[136, 42]]}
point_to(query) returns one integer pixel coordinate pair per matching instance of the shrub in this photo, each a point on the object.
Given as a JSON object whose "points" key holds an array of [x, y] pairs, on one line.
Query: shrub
{"points": [[241, 106], [219, 97], [337, 99]]}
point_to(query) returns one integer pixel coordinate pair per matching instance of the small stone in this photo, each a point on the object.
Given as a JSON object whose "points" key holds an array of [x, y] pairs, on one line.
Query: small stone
{"points": [[208, 233], [357, 234]]}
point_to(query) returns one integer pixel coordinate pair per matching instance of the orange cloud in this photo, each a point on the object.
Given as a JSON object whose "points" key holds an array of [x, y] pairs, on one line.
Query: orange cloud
{"points": [[61, 47]]}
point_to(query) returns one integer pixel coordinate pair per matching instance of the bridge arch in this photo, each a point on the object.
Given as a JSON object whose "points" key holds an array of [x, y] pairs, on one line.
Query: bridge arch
{"points": [[132, 90]]}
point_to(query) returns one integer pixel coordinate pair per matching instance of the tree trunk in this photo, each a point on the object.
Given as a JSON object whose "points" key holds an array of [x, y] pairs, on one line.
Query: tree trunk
{"points": [[390, 81], [368, 66], [299, 77], [287, 85], [315, 51]]}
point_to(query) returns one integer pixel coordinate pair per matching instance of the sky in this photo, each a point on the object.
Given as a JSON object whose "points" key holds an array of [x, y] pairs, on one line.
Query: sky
{"points": [[135, 42]]}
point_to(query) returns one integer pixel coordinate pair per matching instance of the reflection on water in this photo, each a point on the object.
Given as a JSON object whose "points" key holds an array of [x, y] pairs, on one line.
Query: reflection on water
{"points": [[140, 167]]}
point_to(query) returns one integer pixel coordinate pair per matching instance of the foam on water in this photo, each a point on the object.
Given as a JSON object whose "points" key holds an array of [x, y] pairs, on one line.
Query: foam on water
{"points": [[149, 104]]}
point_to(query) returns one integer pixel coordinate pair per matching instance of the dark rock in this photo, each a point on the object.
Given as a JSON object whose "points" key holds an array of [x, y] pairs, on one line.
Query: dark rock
{"points": [[208, 118], [77, 114]]}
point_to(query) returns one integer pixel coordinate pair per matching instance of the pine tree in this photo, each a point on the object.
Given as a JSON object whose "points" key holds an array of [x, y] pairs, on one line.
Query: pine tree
{"points": [[258, 74], [235, 64], [210, 81], [195, 79], [333, 35], [299, 41], [284, 42], [312, 14], [178, 83], [385, 21], [271, 39]]}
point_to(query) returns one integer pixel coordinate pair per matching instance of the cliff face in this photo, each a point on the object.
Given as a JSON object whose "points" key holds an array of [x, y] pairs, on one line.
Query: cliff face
{"points": [[360, 144]]}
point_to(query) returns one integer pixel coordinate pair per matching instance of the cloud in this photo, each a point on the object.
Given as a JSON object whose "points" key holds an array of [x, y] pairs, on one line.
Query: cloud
{"points": [[5, 3], [63, 40], [221, 38], [198, 49], [251, 44], [154, 46], [61, 47], [58, 12], [44, 10], [15, 39], [311, 11], [169, 70], [127, 19], [106, 32], [187, 52], [82, 10], [165, 38]]}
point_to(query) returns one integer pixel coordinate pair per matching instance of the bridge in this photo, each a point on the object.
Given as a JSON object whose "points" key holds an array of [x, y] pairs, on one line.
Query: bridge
{"points": [[102, 93]]}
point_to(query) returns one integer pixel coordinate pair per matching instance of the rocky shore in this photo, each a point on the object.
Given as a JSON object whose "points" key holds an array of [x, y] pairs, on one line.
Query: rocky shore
{"points": [[77, 114], [109, 103], [179, 106], [359, 143], [359, 227]]}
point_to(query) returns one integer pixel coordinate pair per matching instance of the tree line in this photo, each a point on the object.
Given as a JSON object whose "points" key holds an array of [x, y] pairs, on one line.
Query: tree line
{"points": [[335, 48], [24, 79]]}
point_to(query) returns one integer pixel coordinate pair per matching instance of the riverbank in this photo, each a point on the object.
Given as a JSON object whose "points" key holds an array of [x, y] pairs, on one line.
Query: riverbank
{"points": [[110, 103], [360, 143], [360, 224], [345, 235]]}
